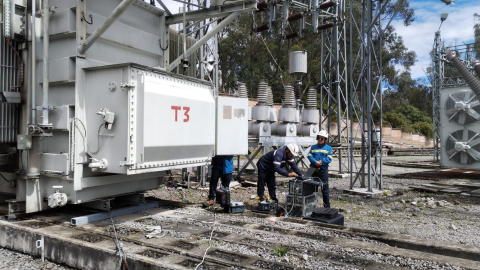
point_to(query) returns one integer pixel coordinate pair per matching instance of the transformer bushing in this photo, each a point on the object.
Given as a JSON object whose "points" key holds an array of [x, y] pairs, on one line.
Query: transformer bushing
{"points": [[273, 111], [288, 115], [261, 113], [243, 93], [310, 116]]}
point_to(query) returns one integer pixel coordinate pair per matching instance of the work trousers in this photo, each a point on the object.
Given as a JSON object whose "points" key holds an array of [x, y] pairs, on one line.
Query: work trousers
{"points": [[217, 173], [269, 179], [323, 175]]}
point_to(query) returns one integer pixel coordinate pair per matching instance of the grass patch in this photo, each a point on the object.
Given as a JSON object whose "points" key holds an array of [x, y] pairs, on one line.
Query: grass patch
{"points": [[280, 250]]}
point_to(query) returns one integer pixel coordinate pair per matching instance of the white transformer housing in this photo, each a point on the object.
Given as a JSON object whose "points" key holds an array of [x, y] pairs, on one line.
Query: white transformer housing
{"points": [[460, 133], [232, 126], [157, 113]]}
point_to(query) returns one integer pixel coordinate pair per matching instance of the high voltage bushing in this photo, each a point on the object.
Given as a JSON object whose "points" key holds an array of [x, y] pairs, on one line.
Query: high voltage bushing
{"points": [[327, 4], [289, 96], [261, 28], [476, 67], [291, 35], [242, 90], [262, 92], [471, 80], [262, 5], [325, 26], [269, 96], [295, 17], [311, 98]]}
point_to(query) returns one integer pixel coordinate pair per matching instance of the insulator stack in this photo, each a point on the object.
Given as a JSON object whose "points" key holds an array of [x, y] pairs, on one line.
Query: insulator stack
{"points": [[471, 80], [311, 98], [291, 35], [261, 28], [476, 67], [242, 90], [295, 17], [325, 26], [289, 96], [262, 92], [327, 4], [270, 96]]}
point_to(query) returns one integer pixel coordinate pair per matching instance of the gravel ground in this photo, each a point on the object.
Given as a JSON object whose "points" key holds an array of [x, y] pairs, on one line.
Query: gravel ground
{"points": [[455, 218], [12, 260]]}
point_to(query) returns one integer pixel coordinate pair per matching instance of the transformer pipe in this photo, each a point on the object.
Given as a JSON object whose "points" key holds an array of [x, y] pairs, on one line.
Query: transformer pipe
{"points": [[291, 35], [46, 43], [202, 41], [119, 10], [34, 61], [471, 80]]}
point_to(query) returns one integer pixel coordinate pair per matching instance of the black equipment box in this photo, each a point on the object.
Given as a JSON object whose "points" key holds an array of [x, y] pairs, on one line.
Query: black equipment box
{"points": [[223, 196], [303, 188], [235, 207], [302, 205], [338, 220], [327, 213]]}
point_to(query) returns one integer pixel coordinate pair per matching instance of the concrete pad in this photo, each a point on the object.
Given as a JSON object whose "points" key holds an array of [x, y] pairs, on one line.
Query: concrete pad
{"points": [[364, 192]]}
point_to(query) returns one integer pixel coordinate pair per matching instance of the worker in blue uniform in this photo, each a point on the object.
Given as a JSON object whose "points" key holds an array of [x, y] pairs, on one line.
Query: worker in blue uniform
{"points": [[272, 163], [320, 156], [222, 167]]}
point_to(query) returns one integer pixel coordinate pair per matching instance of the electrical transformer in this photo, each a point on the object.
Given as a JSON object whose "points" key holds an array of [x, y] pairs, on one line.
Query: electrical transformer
{"points": [[101, 118]]}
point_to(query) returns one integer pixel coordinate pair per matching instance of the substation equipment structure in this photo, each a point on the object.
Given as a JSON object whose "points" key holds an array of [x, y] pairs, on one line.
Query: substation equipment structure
{"points": [[350, 85], [90, 109], [456, 105]]}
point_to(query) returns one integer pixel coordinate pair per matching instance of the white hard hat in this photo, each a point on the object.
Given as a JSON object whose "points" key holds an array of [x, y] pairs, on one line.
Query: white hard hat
{"points": [[323, 133], [293, 149]]}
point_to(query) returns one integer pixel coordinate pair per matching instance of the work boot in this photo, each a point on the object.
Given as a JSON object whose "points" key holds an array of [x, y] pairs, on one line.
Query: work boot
{"points": [[208, 203]]}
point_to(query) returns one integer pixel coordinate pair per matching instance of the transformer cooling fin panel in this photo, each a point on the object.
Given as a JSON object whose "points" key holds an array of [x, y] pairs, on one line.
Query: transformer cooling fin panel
{"points": [[463, 107]]}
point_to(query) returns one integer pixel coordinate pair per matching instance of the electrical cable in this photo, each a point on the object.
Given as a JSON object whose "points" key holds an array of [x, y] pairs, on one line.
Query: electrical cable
{"points": [[98, 139], [85, 144], [19, 68], [209, 241], [5, 178], [91, 18], [119, 246], [293, 203]]}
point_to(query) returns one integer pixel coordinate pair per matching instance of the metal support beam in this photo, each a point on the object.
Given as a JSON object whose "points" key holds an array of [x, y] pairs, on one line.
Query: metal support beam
{"points": [[212, 12], [104, 27], [120, 212], [164, 7], [204, 39]]}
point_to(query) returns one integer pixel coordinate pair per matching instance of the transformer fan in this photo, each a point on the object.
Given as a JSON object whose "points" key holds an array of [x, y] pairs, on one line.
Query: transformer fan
{"points": [[463, 107], [463, 146]]}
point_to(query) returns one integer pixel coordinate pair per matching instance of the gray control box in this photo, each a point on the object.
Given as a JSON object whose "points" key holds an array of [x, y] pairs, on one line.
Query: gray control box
{"points": [[24, 142]]}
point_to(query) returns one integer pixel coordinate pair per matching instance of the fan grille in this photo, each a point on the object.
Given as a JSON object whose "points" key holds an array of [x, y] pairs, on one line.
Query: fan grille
{"points": [[467, 116], [467, 136]]}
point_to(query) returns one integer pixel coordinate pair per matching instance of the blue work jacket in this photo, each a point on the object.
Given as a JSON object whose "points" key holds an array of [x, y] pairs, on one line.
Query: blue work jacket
{"points": [[324, 154], [223, 162], [273, 161]]}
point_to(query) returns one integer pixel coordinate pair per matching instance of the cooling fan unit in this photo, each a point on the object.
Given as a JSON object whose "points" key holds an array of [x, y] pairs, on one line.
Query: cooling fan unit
{"points": [[463, 107], [463, 146]]}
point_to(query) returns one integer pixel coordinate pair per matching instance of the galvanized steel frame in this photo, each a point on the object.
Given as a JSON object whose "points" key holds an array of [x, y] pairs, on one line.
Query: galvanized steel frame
{"points": [[366, 93]]}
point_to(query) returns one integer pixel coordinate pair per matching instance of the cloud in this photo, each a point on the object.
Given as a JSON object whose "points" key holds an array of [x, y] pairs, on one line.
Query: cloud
{"points": [[419, 36]]}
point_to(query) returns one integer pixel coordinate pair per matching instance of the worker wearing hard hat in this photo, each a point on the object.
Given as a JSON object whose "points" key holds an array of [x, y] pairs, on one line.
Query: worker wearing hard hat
{"points": [[273, 162], [320, 156]]}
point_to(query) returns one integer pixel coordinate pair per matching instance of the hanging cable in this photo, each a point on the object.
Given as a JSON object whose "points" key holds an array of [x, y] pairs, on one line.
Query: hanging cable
{"points": [[209, 241], [91, 18], [20, 68], [5, 178]]}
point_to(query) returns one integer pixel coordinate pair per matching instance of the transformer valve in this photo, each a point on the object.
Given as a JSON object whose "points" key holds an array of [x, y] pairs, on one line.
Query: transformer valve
{"points": [[108, 117], [98, 165], [57, 199]]}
